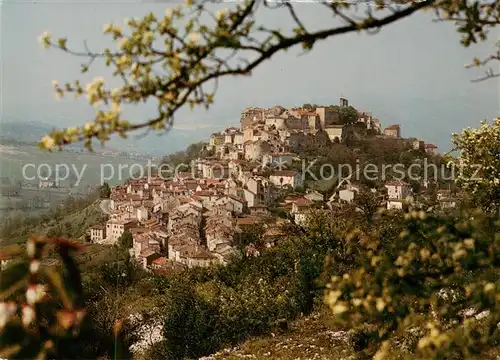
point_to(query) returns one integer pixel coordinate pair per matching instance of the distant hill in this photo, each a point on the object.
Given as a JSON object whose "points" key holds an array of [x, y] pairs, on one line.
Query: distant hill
{"points": [[165, 143], [23, 131], [154, 143]]}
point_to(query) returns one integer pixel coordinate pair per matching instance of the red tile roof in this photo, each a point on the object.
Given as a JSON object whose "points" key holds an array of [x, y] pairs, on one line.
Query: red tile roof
{"points": [[248, 221], [160, 261], [303, 202], [203, 193]]}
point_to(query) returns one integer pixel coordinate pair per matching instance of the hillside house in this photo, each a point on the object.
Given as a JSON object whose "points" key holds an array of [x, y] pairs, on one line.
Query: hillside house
{"points": [[254, 150], [276, 110], [216, 140], [315, 196], [218, 235], [398, 189], [159, 263], [393, 131], [216, 221], [395, 204], [250, 197], [253, 113], [313, 122], [301, 204], [235, 191], [277, 160], [275, 123], [251, 134], [348, 193], [260, 210], [261, 188], [142, 213], [431, 149], [446, 199], [229, 138], [97, 233], [418, 145], [327, 116], [366, 118], [219, 211], [232, 203], [143, 242], [223, 253], [300, 209], [184, 220], [294, 123], [195, 255], [147, 257], [289, 178], [234, 153], [215, 170], [397, 192], [269, 135], [335, 132], [205, 198], [116, 228], [247, 223], [238, 140], [236, 168], [272, 236]]}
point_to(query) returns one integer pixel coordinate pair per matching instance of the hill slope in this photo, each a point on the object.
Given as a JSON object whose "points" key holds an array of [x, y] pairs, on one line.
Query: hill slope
{"points": [[311, 337]]}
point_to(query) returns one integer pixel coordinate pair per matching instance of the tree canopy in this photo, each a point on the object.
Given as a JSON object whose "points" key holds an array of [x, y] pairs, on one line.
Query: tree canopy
{"points": [[478, 166], [126, 240], [172, 59], [104, 191]]}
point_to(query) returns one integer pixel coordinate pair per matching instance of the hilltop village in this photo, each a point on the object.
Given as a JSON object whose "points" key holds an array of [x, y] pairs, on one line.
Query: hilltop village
{"points": [[199, 217]]}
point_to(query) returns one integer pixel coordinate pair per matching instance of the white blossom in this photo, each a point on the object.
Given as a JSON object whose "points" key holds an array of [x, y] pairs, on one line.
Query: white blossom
{"points": [[35, 293], [107, 28], [31, 246], [34, 266], [123, 42], [221, 14], [169, 13], [48, 143], [45, 39], [7, 310], [28, 315], [194, 37]]}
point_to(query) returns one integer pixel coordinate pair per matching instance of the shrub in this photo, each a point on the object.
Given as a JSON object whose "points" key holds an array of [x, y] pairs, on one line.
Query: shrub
{"points": [[401, 283]]}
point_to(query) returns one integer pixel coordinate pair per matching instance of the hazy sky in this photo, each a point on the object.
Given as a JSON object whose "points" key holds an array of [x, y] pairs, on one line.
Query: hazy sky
{"points": [[410, 73]]}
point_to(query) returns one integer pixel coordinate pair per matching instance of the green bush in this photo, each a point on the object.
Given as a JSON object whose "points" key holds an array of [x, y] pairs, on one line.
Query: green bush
{"points": [[209, 308], [436, 268]]}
